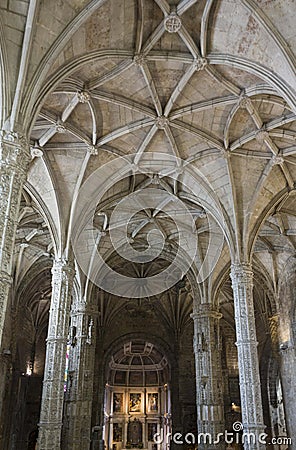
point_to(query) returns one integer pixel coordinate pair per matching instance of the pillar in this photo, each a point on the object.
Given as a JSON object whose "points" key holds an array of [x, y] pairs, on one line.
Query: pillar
{"points": [[99, 420], [14, 163], [288, 378], [209, 390], [250, 391], [287, 346], [79, 396], [51, 415]]}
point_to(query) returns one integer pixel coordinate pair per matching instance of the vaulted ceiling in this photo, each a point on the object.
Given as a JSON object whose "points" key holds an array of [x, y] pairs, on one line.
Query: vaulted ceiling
{"points": [[206, 87]]}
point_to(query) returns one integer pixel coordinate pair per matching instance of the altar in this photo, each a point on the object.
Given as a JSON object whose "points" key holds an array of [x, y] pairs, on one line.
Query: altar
{"points": [[136, 418], [137, 405]]}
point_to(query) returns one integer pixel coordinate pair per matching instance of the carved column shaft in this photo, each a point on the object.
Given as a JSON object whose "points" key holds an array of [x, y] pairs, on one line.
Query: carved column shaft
{"points": [[273, 327], [287, 346], [251, 402], [78, 407], [209, 391], [14, 163], [288, 376], [51, 415]]}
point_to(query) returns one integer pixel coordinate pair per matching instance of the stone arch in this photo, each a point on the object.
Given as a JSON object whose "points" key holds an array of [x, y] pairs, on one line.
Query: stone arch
{"points": [[4, 77]]}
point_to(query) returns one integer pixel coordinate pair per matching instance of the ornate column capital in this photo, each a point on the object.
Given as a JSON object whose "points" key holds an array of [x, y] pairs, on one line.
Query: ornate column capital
{"points": [[205, 310], [13, 138], [241, 273], [14, 150], [63, 265]]}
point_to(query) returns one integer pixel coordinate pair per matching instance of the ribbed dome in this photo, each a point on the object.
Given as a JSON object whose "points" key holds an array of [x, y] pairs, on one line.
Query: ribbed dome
{"points": [[138, 363]]}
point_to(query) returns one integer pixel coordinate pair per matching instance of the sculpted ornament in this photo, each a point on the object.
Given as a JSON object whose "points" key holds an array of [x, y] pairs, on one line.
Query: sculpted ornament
{"points": [[261, 135], [60, 127], [242, 283], [89, 331], [245, 102], [277, 160], [14, 158], [36, 152], [225, 153], [161, 122], [92, 150], [83, 97], [139, 59], [172, 23], [12, 137], [199, 64]]}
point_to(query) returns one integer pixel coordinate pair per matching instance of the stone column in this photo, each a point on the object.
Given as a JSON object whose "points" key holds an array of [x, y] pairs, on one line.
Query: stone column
{"points": [[79, 397], [250, 391], [51, 415], [287, 347], [99, 419], [14, 163], [209, 389], [288, 378]]}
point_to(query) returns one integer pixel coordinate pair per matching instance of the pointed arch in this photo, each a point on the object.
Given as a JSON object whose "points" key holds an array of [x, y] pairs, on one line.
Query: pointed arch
{"points": [[4, 77]]}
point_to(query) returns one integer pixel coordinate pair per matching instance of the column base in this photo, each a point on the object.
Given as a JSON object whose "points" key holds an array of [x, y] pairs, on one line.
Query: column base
{"points": [[49, 437]]}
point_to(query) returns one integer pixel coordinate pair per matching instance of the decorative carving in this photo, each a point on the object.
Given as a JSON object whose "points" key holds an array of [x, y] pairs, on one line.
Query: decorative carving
{"points": [[242, 284], [92, 150], [53, 389], [172, 23], [161, 122], [208, 368], [83, 96], [277, 160], [225, 153], [14, 162], [199, 63], [89, 331], [273, 326], [12, 137], [60, 127], [36, 152], [244, 102], [261, 135], [5, 278], [139, 59], [81, 369]]}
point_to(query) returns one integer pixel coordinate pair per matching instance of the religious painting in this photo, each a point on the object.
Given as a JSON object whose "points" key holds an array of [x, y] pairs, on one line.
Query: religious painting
{"points": [[152, 430], [134, 433], [117, 402], [135, 403], [153, 402], [117, 432]]}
